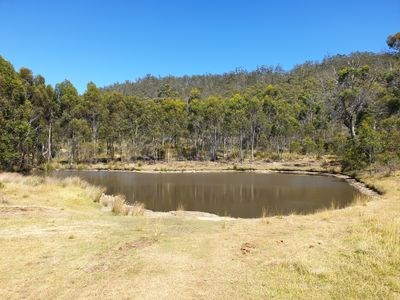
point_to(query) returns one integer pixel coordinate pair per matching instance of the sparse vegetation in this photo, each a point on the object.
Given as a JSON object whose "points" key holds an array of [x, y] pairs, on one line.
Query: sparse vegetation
{"points": [[180, 207], [119, 206], [137, 209], [324, 255]]}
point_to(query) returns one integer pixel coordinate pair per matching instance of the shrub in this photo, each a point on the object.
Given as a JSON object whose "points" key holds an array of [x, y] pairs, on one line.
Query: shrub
{"points": [[106, 200], [94, 192], [294, 147], [137, 209], [118, 206], [309, 146], [47, 167]]}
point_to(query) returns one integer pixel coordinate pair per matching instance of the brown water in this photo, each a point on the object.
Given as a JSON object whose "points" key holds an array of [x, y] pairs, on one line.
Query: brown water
{"points": [[236, 194]]}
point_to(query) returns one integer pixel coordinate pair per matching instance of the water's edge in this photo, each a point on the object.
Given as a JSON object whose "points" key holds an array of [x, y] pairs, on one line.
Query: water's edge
{"points": [[354, 182]]}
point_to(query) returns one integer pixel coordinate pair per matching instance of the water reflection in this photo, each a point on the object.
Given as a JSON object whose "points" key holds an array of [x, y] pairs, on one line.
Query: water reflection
{"points": [[244, 195]]}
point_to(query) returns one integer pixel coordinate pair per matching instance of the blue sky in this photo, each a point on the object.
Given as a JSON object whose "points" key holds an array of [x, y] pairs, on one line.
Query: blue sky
{"points": [[110, 41]]}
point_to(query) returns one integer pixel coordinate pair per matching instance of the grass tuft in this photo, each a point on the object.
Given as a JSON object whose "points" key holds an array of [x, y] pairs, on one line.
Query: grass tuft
{"points": [[137, 209], [180, 207], [118, 206], [94, 192], [361, 199]]}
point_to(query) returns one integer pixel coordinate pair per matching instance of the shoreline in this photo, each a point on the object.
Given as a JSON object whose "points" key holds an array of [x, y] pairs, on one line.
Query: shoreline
{"points": [[360, 186]]}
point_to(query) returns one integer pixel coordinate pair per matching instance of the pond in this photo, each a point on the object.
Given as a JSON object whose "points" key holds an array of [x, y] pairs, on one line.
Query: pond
{"points": [[235, 194]]}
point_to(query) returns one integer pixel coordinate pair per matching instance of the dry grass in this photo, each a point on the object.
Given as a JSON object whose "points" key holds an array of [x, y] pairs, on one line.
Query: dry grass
{"points": [[180, 207], [137, 209], [361, 199], [57, 243], [119, 206]]}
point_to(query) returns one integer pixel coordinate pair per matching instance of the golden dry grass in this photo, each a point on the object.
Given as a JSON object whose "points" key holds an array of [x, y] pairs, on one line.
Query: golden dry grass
{"points": [[137, 209], [57, 243], [119, 206]]}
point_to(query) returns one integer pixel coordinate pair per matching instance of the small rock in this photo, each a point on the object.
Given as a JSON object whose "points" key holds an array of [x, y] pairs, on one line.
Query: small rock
{"points": [[247, 248]]}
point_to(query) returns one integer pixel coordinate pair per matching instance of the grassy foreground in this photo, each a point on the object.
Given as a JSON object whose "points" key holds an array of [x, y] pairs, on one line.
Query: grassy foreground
{"points": [[56, 242]]}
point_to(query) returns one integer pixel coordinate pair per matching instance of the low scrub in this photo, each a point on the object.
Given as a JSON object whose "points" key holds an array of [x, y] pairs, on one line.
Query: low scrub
{"points": [[94, 192], [117, 204], [137, 209]]}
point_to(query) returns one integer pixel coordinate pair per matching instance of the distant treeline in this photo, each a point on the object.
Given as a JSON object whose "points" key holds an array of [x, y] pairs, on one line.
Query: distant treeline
{"points": [[347, 105]]}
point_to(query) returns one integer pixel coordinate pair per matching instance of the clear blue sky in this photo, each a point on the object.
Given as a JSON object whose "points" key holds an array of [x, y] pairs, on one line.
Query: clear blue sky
{"points": [[109, 41]]}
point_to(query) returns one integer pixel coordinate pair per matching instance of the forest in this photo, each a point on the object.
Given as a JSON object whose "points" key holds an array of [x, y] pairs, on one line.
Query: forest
{"points": [[345, 105]]}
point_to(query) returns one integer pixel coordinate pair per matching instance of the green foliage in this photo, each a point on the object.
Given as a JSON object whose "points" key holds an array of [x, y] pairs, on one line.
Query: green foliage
{"points": [[363, 150], [353, 112], [352, 157], [295, 147], [393, 41], [309, 146]]}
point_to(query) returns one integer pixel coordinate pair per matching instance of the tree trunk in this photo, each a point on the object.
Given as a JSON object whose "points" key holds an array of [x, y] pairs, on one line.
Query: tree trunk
{"points": [[278, 151], [49, 137], [352, 128], [112, 153], [241, 145], [252, 143], [224, 142], [215, 145], [120, 150], [94, 137]]}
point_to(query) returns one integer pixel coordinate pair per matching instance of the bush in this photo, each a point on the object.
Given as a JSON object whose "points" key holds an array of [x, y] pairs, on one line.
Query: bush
{"points": [[309, 146], [94, 192], [118, 206], [137, 209], [48, 168], [295, 147], [352, 157]]}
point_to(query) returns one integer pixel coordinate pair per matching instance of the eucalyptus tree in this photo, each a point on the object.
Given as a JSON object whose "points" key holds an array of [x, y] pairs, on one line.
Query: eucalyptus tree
{"points": [[94, 109], [236, 120], [353, 95], [174, 122], [72, 126], [114, 126], [134, 112], [46, 111], [281, 117], [196, 124], [214, 111], [15, 115], [393, 41]]}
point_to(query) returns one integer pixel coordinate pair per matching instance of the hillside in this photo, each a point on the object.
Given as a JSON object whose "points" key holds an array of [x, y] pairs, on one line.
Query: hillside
{"points": [[226, 84], [347, 106]]}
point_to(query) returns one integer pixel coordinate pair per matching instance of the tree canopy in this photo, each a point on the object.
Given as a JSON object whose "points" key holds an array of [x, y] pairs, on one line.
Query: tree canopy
{"points": [[347, 105]]}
